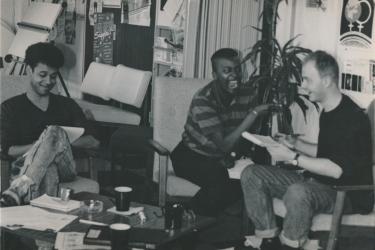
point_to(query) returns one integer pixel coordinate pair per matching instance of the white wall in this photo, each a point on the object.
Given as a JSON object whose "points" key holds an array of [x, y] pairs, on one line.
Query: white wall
{"points": [[320, 30]]}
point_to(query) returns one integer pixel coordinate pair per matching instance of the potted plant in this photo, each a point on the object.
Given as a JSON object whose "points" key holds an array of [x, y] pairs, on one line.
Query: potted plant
{"points": [[279, 73]]}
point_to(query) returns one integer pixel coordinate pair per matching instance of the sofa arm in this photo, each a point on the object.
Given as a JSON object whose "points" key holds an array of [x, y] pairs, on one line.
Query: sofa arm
{"points": [[163, 169], [158, 148]]}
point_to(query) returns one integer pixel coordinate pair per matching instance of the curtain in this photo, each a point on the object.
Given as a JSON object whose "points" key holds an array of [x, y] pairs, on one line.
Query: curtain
{"points": [[215, 24]]}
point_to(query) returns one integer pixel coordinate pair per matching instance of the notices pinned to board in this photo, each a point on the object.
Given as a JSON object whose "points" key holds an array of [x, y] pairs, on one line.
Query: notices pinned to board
{"points": [[104, 34]]}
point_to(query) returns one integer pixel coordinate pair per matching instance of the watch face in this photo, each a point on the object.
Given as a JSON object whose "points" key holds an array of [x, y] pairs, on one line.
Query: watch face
{"points": [[294, 162]]}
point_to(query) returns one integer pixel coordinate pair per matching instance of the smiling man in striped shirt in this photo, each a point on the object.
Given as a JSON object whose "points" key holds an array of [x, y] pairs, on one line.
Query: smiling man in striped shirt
{"points": [[218, 114]]}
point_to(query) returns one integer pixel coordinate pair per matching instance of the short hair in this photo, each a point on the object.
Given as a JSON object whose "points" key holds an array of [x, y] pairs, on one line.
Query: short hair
{"points": [[46, 53], [225, 53], [325, 63]]}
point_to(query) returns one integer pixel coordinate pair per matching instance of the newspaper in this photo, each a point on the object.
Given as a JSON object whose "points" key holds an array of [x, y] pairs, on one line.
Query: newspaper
{"points": [[33, 218]]}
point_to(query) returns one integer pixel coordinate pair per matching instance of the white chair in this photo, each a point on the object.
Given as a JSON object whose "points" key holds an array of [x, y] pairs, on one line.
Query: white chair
{"points": [[171, 101], [332, 222], [122, 84]]}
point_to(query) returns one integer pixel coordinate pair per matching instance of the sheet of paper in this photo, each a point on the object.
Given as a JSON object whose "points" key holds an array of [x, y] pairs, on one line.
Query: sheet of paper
{"points": [[73, 132], [33, 218], [240, 165], [259, 140]]}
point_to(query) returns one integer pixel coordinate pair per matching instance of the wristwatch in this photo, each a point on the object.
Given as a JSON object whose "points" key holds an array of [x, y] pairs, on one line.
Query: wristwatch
{"points": [[295, 159]]}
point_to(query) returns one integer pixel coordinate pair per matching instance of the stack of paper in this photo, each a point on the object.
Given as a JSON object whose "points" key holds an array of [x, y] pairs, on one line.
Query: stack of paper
{"points": [[46, 201], [33, 218]]}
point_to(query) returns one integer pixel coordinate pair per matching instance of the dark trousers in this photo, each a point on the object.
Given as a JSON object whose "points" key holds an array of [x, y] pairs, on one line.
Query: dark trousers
{"points": [[217, 190]]}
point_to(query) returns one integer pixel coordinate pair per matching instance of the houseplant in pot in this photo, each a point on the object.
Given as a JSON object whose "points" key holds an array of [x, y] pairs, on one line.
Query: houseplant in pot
{"points": [[277, 74]]}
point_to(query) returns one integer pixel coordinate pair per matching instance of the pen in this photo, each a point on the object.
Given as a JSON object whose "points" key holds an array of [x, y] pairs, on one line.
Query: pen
{"points": [[90, 222]]}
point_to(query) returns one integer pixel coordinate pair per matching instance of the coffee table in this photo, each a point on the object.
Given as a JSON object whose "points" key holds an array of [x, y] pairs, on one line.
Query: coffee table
{"points": [[153, 237]]}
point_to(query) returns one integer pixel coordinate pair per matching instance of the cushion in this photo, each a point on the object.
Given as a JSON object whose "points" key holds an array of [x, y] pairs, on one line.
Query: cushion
{"points": [[129, 85], [177, 186], [81, 184], [105, 113], [97, 80], [322, 222]]}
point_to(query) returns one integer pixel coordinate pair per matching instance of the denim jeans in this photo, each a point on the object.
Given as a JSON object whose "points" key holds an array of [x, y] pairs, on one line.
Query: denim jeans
{"points": [[303, 198], [48, 162]]}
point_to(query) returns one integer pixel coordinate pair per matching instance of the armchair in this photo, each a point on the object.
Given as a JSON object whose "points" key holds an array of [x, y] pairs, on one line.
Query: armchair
{"points": [[171, 101], [333, 223]]}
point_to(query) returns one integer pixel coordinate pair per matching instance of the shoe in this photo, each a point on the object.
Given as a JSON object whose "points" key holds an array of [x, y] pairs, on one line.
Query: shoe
{"points": [[8, 201], [271, 244]]}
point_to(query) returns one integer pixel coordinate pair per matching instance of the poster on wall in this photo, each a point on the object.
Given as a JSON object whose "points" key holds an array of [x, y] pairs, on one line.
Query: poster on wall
{"points": [[357, 23], [104, 29], [138, 12], [356, 46]]}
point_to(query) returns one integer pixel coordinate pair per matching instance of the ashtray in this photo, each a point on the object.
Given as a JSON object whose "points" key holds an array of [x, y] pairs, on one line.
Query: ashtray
{"points": [[92, 206]]}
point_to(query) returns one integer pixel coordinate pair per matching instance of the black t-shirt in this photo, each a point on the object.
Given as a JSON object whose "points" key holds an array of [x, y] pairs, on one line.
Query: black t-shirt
{"points": [[345, 139], [22, 122]]}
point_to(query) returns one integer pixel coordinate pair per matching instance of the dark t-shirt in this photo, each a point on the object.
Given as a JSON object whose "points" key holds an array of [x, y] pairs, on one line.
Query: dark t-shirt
{"points": [[22, 122], [345, 139]]}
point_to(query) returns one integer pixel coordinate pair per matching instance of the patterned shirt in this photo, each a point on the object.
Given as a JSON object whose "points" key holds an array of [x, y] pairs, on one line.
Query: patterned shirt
{"points": [[208, 116]]}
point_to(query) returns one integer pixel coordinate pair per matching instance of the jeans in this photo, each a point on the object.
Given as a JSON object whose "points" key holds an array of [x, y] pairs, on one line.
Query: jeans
{"points": [[48, 162], [217, 190], [303, 198]]}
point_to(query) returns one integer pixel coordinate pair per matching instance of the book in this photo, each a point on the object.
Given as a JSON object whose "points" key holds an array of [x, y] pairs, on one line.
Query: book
{"points": [[260, 140], [46, 201], [97, 235], [138, 237], [74, 241]]}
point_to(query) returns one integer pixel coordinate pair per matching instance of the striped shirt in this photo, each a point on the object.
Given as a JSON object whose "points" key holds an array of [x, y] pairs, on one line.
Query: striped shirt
{"points": [[208, 116]]}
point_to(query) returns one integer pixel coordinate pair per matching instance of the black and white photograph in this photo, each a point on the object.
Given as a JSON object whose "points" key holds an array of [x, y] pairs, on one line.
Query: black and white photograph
{"points": [[187, 125]]}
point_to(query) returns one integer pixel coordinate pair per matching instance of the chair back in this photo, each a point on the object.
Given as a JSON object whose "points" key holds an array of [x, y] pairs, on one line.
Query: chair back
{"points": [[171, 102], [371, 115]]}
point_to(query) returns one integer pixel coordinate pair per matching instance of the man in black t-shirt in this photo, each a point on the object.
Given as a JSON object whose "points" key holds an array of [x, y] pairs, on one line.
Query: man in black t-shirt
{"points": [[341, 157], [31, 132]]}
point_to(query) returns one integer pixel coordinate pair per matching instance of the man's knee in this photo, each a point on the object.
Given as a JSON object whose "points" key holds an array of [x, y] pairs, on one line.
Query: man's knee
{"points": [[55, 136], [297, 193]]}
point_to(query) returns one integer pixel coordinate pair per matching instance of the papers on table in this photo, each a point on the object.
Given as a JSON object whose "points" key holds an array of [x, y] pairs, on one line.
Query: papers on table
{"points": [[56, 203], [259, 140], [33, 218]]}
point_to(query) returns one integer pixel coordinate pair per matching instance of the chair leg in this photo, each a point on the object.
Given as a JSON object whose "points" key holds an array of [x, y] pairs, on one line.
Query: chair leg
{"points": [[163, 171], [93, 171], [336, 220]]}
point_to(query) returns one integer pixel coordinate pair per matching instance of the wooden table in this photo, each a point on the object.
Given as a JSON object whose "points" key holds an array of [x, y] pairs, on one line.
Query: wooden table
{"points": [[155, 238]]}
